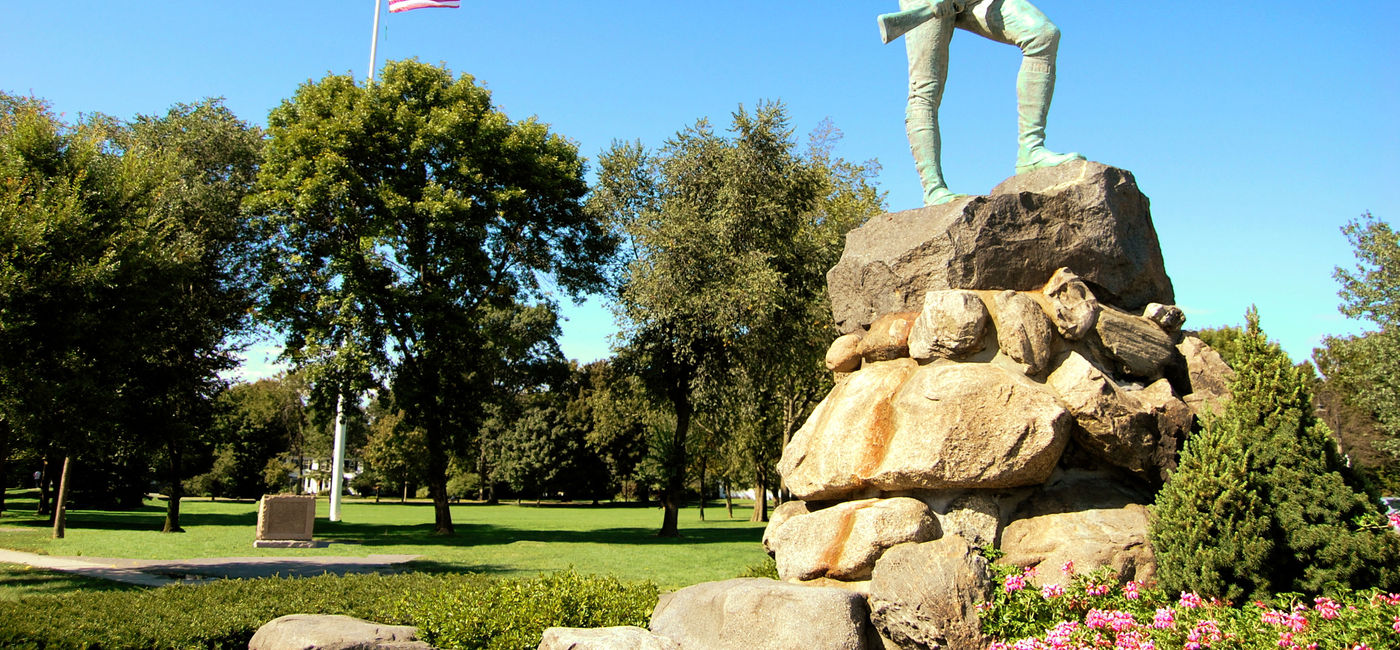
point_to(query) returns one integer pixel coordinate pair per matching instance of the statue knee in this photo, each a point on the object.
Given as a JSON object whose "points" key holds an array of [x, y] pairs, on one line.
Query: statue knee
{"points": [[1043, 41]]}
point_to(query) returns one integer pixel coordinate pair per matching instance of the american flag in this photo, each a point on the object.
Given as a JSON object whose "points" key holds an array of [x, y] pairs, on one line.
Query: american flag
{"points": [[396, 6]]}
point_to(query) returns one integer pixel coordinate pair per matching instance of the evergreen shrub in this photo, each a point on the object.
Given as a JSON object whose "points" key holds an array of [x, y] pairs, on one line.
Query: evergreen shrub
{"points": [[1260, 503]]}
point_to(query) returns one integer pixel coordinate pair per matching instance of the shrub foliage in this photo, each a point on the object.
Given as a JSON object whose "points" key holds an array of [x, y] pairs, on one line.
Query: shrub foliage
{"points": [[1260, 504]]}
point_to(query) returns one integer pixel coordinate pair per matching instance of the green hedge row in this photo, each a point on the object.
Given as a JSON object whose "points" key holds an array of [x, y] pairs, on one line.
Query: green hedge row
{"points": [[465, 611]]}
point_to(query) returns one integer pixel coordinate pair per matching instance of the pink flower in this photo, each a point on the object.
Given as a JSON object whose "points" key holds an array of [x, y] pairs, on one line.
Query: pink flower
{"points": [[1164, 618], [1015, 582], [1396, 627], [1109, 618], [1029, 571], [1051, 591], [1285, 640], [1067, 568], [1273, 617], [1130, 590], [1394, 518], [1060, 635], [1097, 590], [1361, 646], [1296, 621], [1189, 600], [1327, 607]]}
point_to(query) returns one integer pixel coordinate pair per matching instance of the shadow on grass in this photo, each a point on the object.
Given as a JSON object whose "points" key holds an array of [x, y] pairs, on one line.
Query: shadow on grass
{"points": [[491, 535], [17, 582]]}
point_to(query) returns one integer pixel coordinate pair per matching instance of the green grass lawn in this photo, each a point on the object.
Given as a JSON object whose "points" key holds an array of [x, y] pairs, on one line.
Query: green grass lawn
{"points": [[618, 540]]}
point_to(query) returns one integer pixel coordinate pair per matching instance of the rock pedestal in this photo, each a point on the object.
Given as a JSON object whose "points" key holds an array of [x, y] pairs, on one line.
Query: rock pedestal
{"points": [[1011, 375]]}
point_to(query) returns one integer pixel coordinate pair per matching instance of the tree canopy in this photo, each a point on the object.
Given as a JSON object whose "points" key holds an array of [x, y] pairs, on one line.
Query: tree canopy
{"points": [[404, 218]]}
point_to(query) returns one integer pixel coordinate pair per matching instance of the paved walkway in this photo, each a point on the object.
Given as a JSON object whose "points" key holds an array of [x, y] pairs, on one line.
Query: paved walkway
{"points": [[155, 573]]}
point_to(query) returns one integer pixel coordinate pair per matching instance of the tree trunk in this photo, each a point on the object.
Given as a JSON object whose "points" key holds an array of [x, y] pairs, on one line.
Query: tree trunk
{"points": [[43, 506], [728, 499], [760, 497], [177, 490], [60, 509], [404, 498], [675, 483], [4, 462], [702, 487]]}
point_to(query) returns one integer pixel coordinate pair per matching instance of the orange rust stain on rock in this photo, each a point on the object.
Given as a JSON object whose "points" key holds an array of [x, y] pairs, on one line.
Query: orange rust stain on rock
{"points": [[877, 438], [831, 556]]}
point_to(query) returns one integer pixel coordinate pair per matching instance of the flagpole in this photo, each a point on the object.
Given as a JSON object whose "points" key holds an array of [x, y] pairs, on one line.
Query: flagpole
{"points": [[374, 40]]}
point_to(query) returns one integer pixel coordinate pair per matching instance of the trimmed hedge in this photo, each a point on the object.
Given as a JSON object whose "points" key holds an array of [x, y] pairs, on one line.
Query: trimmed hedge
{"points": [[469, 611]]}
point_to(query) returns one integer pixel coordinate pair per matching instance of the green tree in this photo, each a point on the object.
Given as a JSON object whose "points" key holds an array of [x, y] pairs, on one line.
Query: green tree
{"points": [[1260, 503], [1365, 368], [402, 216], [255, 425], [728, 240], [395, 450]]}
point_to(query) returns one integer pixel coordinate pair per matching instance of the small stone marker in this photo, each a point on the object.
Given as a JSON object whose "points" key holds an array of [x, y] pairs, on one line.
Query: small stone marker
{"points": [[285, 521]]}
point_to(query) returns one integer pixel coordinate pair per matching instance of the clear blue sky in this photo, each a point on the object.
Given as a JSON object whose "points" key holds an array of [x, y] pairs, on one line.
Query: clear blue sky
{"points": [[1257, 129]]}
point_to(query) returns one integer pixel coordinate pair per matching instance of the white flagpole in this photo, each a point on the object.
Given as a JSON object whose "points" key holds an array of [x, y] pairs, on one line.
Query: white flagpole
{"points": [[338, 459], [374, 40]]}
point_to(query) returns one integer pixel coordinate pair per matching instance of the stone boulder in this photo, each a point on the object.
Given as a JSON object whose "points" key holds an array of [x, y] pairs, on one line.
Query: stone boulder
{"points": [[925, 596], [326, 632], [1082, 215], [888, 337], [785, 512], [900, 426], [1169, 317], [761, 614], [842, 542], [1207, 373], [1093, 521], [952, 324], [1139, 345], [1023, 331], [844, 354], [975, 517], [604, 638], [1073, 307], [1114, 424]]}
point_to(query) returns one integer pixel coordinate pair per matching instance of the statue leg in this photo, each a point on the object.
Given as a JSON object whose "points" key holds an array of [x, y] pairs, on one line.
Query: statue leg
{"points": [[927, 46], [1019, 23]]}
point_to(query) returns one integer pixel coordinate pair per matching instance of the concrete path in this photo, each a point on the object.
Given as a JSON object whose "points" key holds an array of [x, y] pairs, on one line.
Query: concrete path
{"points": [[155, 573]]}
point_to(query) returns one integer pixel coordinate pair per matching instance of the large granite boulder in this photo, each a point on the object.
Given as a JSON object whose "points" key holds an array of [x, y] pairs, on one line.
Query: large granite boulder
{"points": [[762, 614], [925, 596], [1114, 424], [333, 632], [1208, 375], [900, 426], [952, 324], [604, 638], [842, 542], [1082, 215], [1091, 520]]}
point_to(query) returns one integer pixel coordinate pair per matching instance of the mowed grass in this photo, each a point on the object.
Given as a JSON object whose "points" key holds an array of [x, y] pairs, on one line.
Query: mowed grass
{"points": [[505, 540]]}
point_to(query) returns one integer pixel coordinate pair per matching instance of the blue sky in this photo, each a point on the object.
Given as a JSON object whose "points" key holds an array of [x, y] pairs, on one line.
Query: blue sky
{"points": [[1257, 129]]}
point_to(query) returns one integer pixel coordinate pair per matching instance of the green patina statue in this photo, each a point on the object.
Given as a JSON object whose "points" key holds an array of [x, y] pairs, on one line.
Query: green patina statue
{"points": [[927, 27]]}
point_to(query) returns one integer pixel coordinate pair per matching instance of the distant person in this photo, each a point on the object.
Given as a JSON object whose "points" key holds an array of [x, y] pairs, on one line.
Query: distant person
{"points": [[37, 475], [1014, 22]]}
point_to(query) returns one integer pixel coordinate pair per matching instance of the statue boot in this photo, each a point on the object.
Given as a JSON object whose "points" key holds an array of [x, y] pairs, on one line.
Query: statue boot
{"points": [[1035, 85], [925, 144]]}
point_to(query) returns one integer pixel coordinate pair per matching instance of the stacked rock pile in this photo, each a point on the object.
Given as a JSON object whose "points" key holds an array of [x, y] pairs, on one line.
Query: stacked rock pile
{"points": [[1013, 376]]}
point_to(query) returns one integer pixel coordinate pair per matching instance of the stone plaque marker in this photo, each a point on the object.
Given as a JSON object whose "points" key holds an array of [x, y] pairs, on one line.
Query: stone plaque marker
{"points": [[285, 520]]}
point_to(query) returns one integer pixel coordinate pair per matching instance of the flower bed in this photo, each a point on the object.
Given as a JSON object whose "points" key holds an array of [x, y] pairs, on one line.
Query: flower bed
{"points": [[1095, 612]]}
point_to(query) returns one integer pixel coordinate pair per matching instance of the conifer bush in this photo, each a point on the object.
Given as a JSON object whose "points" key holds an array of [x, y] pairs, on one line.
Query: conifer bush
{"points": [[1260, 504]]}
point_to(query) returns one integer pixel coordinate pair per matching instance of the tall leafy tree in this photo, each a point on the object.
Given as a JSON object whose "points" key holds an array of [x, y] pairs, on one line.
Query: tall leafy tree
{"points": [[1260, 503], [403, 216], [721, 245], [1365, 368]]}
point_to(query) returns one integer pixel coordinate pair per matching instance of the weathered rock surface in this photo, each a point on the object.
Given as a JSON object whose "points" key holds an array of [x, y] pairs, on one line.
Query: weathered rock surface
{"points": [[952, 324], [1082, 215], [1092, 521], [1023, 331], [842, 542], [761, 614], [925, 596], [1073, 307], [1169, 317], [1113, 424], [888, 337], [899, 426], [326, 632], [844, 354], [1207, 373], [781, 515], [1138, 344], [975, 517], [604, 638], [1174, 421]]}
